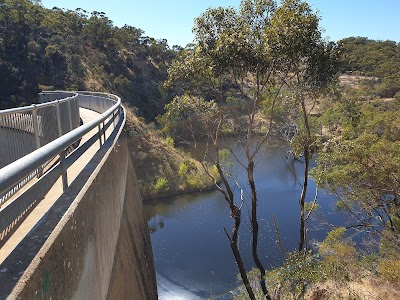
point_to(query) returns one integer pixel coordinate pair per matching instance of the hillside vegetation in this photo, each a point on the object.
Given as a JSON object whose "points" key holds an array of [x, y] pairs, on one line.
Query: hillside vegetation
{"points": [[47, 49], [162, 169], [377, 59]]}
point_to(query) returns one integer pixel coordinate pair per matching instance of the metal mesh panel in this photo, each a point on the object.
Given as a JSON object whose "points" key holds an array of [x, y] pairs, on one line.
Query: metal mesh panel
{"points": [[52, 96], [65, 117], [99, 104], [16, 137], [24, 130], [47, 124]]}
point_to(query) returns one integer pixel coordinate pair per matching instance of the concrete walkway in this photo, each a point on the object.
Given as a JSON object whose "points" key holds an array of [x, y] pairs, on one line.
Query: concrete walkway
{"points": [[55, 192]]}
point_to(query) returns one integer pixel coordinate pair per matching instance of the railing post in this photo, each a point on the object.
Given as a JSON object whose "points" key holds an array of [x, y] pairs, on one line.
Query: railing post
{"points": [[104, 133], [58, 118], [35, 127], [98, 126], [70, 115], [77, 113], [36, 132], [63, 170], [62, 154]]}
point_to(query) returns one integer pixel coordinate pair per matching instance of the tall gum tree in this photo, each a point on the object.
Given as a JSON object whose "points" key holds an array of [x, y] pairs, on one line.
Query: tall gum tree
{"points": [[243, 46], [233, 41], [230, 49], [305, 64]]}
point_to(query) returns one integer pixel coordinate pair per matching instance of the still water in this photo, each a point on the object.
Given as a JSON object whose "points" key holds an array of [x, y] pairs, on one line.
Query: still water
{"points": [[192, 255]]}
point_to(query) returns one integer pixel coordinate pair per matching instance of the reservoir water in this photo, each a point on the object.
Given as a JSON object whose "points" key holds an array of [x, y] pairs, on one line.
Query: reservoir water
{"points": [[192, 255]]}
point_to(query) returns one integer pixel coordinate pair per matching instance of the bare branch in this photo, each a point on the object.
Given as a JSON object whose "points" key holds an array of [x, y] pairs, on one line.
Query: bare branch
{"points": [[314, 203]]}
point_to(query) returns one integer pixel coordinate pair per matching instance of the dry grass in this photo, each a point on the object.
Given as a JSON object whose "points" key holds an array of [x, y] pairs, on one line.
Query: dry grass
{"points": [[354, 80], [368, 288]]}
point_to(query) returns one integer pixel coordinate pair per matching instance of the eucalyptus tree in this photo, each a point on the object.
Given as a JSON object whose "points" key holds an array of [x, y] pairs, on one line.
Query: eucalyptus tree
{"points": [[230, 47], [305, 64], [190, 73], [262, 49], [361, 167]]}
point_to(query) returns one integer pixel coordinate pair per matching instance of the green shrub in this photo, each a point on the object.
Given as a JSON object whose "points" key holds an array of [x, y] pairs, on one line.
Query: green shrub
{"points": [[169, 141], [183, 169], [300, 270], [389, 269], [51, 88], [186, 167], [336, 247], [194, 181], [214, 172], [162, 185]]}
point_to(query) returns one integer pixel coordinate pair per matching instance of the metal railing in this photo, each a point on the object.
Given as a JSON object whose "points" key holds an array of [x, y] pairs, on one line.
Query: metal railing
{"points": [[25, 129], [109, 106]]}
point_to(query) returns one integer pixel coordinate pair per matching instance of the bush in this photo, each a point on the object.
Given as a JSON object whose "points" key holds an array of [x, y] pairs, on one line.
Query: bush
{"points": [[51, 88], [185, 168], [195, 182], [214, 172], [169, 141], [336, 248], [390, 269], [162, 185]]}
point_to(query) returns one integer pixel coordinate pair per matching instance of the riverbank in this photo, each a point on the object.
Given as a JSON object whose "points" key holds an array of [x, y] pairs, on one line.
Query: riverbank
{"points": [[162, 169]]}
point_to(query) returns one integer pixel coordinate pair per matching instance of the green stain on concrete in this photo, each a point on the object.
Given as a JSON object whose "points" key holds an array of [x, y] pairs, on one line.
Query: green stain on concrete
{"points": [[46, 283]]}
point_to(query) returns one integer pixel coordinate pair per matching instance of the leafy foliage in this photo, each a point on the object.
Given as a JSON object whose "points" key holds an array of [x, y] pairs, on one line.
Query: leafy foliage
{"points": [[188, 117], [337, 271], [362, 167], [161, 185]]}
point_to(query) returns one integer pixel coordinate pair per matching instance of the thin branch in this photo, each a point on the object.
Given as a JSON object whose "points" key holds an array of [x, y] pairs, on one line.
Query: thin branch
{"points": [[314, 203], [278, 239], [269, 125]]}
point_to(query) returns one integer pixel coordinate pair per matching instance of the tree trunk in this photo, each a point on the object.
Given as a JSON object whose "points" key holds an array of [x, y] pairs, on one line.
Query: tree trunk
{"points": [[236, 253], [254, 226], [306, 149], [303, 229], [236, 215]]}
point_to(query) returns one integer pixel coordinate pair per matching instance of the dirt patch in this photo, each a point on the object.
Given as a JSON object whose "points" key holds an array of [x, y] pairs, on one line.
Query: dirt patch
{"points": [[354, 80]]}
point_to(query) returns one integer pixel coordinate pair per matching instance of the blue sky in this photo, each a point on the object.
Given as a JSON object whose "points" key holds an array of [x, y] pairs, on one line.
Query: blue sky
{"points": [[173, 19]]}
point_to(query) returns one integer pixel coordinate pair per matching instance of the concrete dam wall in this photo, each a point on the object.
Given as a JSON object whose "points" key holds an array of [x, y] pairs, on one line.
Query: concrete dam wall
{"points": [[99, 247]]}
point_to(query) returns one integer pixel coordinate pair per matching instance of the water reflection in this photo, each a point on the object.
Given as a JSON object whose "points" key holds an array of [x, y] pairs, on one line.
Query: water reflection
{"points": [[192, 255]]}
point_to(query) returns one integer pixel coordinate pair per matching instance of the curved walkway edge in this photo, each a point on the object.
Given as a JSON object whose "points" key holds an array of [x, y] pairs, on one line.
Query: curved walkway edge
{"points": [[93, 243]]}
